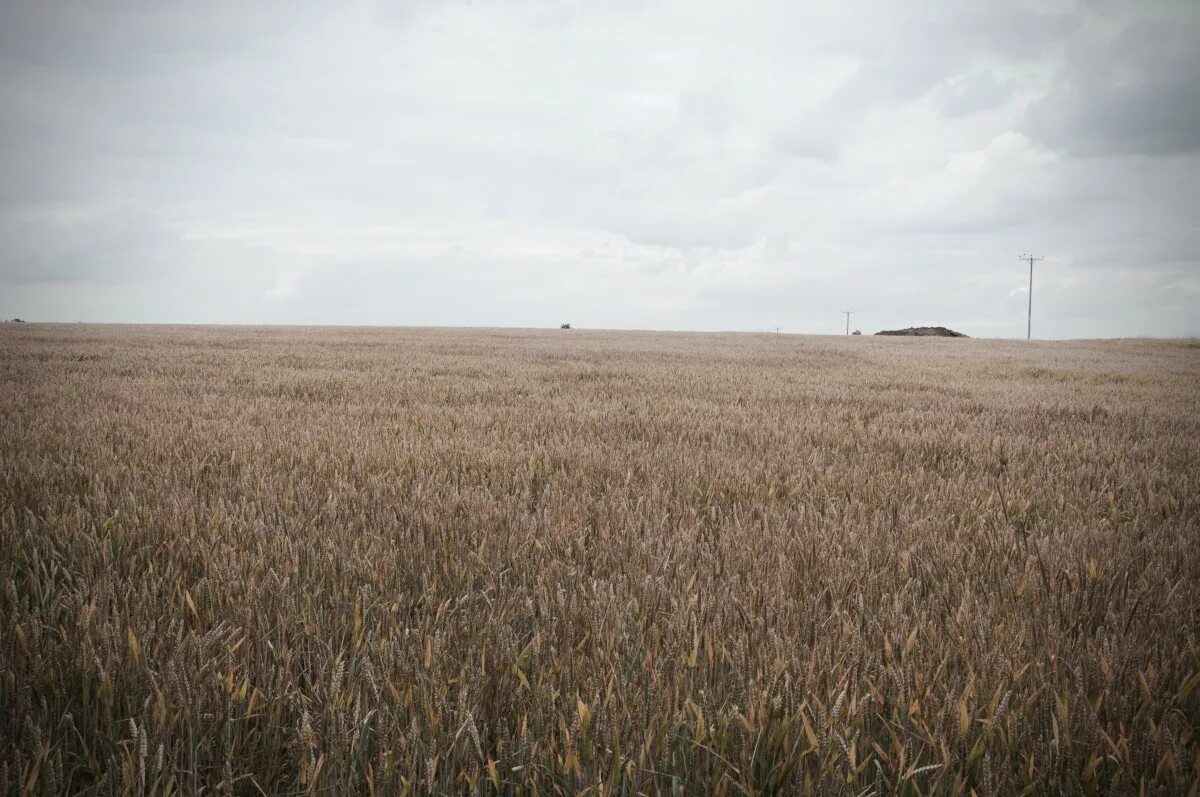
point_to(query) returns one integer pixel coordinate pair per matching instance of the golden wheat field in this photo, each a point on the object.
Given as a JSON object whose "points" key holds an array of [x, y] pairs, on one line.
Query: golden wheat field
{"points": [[388, 561]]}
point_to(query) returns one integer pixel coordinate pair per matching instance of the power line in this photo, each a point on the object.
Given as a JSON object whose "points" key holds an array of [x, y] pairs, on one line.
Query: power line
{"points": [[1029, 320], [848, 313]]}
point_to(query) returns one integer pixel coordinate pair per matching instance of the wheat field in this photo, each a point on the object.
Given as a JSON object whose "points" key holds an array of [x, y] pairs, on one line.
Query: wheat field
{"points": [[423, 561]]}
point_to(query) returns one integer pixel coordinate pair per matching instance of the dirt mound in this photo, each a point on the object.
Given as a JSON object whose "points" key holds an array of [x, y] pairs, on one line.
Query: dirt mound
{"points": [[924, 332]]}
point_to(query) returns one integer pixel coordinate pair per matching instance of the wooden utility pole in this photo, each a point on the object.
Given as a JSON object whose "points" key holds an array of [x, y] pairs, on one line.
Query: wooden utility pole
{"points": [[1029, 319]]}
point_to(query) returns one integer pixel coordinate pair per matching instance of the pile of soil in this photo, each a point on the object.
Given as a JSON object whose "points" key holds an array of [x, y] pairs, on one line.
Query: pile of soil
{"points": [[924, 332]]}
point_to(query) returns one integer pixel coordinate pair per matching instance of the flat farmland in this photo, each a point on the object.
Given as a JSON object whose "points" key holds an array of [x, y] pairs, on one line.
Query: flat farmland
{"points": [[380, 560]]}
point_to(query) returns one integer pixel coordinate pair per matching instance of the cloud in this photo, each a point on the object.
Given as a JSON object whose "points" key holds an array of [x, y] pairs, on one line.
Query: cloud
{"points": [[807, 138], [971, 93], [1008, 183], [1134, 92], [676, 165], [66, 244]]}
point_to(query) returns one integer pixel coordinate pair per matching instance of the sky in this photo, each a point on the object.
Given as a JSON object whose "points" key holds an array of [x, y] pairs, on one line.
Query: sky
{"points": [[653, 165]]}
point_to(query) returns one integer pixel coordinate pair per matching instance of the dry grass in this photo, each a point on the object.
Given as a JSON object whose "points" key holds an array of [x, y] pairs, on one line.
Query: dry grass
{"points": [[387, 561]]}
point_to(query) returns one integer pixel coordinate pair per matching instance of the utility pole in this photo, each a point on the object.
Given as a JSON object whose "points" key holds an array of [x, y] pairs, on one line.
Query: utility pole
{"points": [[1029, 320], [847, 313]]}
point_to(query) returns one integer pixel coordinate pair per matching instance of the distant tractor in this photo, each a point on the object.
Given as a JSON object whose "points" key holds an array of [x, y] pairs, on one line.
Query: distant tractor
{"points": [[856, 332], [564, 326]]}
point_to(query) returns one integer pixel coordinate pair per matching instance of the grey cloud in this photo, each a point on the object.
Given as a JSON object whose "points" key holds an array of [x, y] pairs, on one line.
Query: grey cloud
{"points": [[1136, 94], [927, 46], [806, 138], [634, 164], [971, 93], [709, 109], [66, 244]]}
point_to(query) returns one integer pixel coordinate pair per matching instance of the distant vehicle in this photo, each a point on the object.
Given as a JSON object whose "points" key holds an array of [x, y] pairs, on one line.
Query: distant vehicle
{"points": [[564, 326], [856, 332]]}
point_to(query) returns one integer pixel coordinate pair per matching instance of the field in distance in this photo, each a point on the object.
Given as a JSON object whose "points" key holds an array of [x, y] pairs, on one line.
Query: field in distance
{"points": [[288, 560]]}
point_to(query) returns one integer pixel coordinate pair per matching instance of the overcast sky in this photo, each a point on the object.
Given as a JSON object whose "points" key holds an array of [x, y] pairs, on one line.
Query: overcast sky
{"points": [[629, 164]]}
